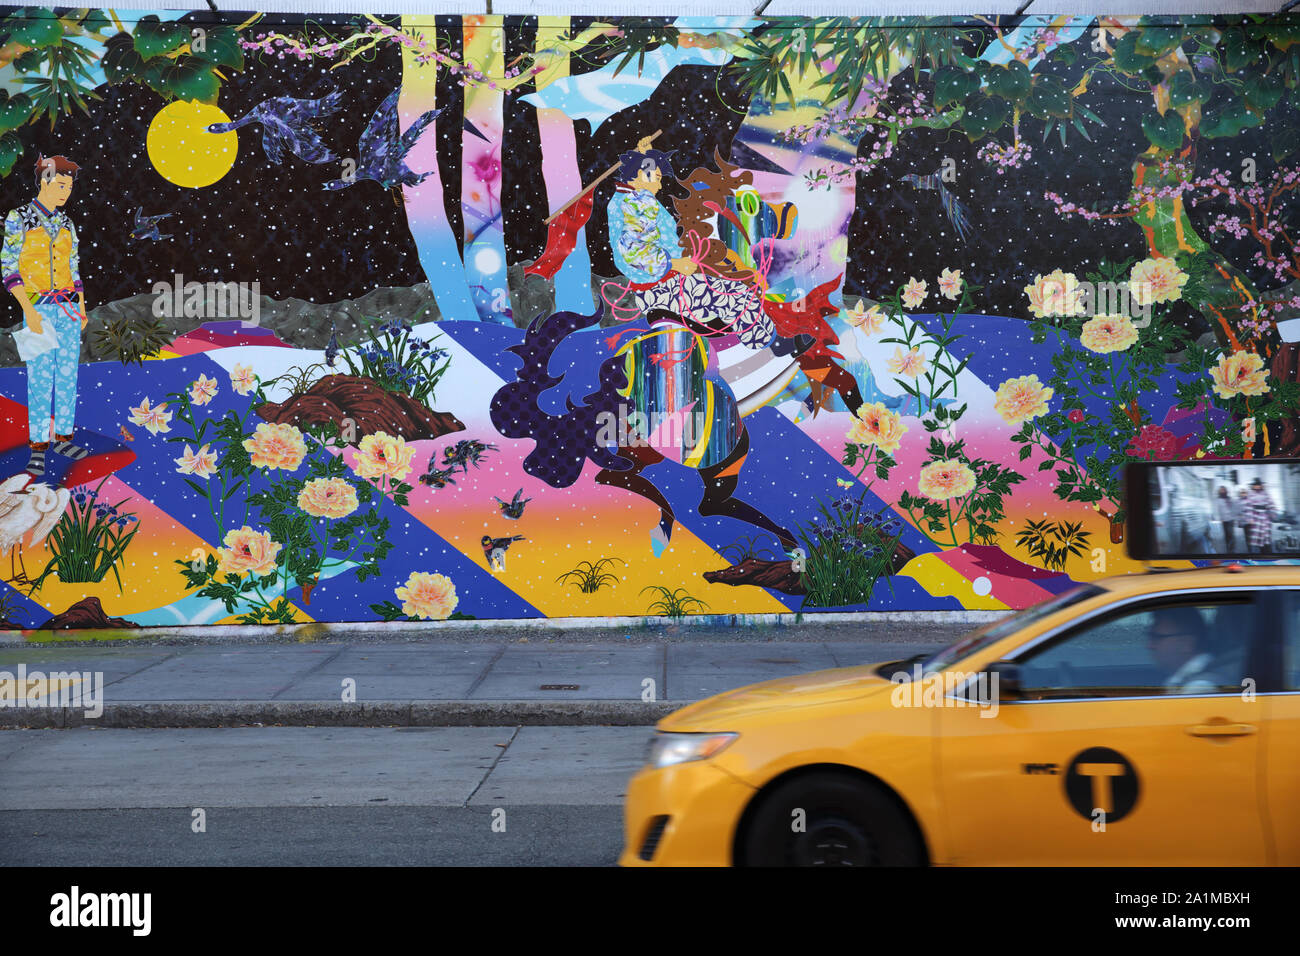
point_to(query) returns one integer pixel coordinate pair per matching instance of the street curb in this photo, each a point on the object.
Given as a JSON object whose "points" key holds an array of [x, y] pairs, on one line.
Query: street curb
{"points": [[416, 713], [485, 629]]}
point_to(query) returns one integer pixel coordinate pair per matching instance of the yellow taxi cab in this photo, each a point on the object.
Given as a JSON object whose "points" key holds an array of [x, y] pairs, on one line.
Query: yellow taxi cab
{"points": [[1150, 719]]}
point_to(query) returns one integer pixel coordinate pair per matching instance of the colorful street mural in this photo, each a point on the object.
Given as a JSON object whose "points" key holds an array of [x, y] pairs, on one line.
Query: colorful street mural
{"points": [[356, 318]]}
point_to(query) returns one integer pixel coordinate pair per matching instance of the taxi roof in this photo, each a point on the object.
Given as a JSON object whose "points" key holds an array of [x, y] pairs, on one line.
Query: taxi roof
{"points": [[1156, 579]]}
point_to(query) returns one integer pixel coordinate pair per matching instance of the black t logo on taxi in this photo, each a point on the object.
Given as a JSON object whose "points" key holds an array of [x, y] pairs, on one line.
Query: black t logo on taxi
{"points": [[1101, 779]]}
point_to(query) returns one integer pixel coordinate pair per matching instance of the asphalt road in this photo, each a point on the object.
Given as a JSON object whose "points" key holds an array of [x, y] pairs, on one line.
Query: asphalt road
{"points": [[296, 796]]}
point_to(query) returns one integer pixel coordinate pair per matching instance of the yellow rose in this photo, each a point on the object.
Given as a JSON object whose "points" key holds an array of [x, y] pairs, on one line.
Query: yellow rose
{"points": [[1241, 373], [1020, 399], [247, 550], [429, 596], [1056, 293], [1108, 333], [384, 456], [1156, 280], [276, 446], [877, 425], [941, 480], [328, 498]]}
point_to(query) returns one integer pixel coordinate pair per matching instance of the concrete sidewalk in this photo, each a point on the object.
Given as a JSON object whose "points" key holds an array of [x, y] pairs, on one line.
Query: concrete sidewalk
{"points": [[426, 683]]}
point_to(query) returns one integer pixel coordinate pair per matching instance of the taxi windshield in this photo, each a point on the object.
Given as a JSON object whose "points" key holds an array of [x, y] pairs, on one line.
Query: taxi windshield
{"points": [[1004, 627]]}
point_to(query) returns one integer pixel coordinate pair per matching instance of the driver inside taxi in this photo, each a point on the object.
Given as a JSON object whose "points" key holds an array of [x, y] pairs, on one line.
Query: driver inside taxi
{"points": [[1177, 640]]}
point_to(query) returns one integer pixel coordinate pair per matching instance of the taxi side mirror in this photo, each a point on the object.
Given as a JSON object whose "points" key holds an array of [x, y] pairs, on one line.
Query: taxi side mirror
{"points": [[1008, 675]]}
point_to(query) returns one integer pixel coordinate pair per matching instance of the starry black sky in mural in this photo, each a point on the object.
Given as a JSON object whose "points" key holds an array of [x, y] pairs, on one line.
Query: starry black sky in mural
{"points": [[310, 243]]}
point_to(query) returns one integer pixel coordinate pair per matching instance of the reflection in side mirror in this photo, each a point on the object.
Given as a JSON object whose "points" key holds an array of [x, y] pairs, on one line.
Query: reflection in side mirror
{"points": [[1008, 678]]}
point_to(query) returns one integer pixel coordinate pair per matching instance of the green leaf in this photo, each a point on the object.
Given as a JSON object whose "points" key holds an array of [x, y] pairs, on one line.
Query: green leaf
{"points": [[1127, 58], [220, 47], [984, 116], [14, 110], [1228, 120], [1186, 89], [35, 31], [1263, 92], [952, 85], [155, 38], [1012, 82], [1157, 40], [191, 79], [1165, 132]]}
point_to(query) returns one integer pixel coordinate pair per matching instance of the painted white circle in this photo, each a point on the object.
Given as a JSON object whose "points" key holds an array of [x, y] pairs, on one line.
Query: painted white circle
{"points": [[487, 261], [982, 586]]}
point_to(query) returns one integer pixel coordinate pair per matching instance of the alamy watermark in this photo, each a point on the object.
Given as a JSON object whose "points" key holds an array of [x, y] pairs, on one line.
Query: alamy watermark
{"points": [[68, 689], [208, 300], [946, 689]]}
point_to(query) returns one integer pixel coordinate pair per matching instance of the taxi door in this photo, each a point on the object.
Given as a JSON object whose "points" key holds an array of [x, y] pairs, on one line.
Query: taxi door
{"points": [[1282, 739], [1105, 758]]}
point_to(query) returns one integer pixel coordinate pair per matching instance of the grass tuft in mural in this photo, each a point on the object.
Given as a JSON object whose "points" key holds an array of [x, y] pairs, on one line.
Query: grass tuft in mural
{"points": [[673, 603], [89, 540], [130, 341], [397, 360], [1052, 542], [590, 577]]}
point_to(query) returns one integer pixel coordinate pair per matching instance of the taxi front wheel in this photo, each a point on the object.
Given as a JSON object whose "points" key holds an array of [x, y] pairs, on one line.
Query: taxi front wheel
{"points": [[829, 819]]}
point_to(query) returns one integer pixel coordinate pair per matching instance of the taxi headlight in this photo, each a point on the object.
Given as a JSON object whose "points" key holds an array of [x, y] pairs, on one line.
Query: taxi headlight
{"points": [[669, 749]]}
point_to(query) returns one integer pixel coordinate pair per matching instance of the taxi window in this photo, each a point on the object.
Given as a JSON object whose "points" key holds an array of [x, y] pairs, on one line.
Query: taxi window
{"points": [[1291, 644], [1175, 647], [1004, 627]]}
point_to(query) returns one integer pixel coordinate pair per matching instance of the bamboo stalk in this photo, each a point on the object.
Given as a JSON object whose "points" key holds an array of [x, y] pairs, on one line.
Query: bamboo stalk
{"points": [[595, 182]]}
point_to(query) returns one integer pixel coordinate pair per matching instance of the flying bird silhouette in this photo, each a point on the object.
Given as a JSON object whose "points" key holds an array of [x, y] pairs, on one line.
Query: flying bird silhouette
{"points": [[146, 227], [382, 149], [287, 121], [514, 508], [955, 211]]}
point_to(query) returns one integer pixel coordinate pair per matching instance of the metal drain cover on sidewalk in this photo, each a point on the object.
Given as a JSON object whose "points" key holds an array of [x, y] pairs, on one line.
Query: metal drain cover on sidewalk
{"points": [[559, 687]]}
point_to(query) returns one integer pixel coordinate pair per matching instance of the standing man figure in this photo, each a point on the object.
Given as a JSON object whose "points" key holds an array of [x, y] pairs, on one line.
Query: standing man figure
{"points": [[39, 262], [1260, 513]]}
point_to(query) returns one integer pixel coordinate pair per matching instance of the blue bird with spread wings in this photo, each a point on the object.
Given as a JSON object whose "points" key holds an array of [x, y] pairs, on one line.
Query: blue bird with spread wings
{"points": [[146, 227], [951, 204], [287, 122], [382, 149]]}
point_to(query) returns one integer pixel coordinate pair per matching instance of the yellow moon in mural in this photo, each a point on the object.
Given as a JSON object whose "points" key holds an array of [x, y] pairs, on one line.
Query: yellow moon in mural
{"points": [[183, 151]]}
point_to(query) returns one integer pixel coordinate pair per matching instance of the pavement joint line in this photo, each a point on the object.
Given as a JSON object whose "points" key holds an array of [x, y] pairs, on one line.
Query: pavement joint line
{"points": [[501, 752], [309, 671], [486, 669], [137, 673], [663, 662]]}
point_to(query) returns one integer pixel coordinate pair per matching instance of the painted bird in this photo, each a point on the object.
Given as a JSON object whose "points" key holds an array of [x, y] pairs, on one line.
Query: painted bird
{"points": [[494, 549], [951, 204], [146, 227], [514, 508], [287, 121], [382, 149]]}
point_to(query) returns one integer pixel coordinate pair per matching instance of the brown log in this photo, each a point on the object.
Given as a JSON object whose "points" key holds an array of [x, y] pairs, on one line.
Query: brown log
{"points": [[337, 398]]}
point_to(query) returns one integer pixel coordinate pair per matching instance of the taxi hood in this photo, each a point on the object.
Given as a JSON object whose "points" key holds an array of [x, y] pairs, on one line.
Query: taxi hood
{"points": [[807, 690]]}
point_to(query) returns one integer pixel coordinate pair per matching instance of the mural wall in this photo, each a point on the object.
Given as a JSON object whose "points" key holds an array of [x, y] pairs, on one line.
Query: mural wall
{"points": [[350, 318]]}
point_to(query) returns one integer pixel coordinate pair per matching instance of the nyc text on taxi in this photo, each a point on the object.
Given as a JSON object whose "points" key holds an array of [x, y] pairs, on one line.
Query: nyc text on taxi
{"points": [[1090, 753]]}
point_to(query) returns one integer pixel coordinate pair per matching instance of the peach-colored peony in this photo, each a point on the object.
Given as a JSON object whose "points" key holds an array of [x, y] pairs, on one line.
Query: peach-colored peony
{"points": [[913, 293], [153, 418], [1056, 293], [201, 463], [1020, 399], [877, 425], [242, 379], [945, 479], [430, 596], [204, 390], [328, 498], [950, 283], [276, 445], [1156, 280], [247, 550], [384, 456], [910, 363], [1108, 333], [1241, 373], [870, 320]]}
